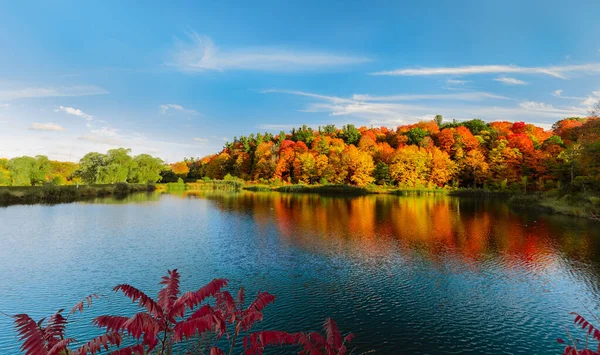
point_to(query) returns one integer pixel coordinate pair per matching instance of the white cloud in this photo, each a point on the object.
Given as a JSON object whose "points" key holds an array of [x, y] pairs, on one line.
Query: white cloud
{"points": [[557, 93], [166, 108], [455, 82], [201, 54], [390, 112], [39, 92], [46, 127], [554, 71], [201, 140], [510, 81], [591, 100], [462, 96], [75, 111], [4, 105]]}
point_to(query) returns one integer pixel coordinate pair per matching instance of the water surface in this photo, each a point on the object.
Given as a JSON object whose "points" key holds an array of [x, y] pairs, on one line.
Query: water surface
{"points": [[438, 275]]}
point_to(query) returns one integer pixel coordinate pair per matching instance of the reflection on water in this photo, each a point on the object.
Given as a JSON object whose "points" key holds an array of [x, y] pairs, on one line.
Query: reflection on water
{"points": [[431, 274]]}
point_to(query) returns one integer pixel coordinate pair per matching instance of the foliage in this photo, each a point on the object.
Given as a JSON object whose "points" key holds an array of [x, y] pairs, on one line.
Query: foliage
{"points": [[118, 166], [176, 318], [591, 333], [500, 155]]}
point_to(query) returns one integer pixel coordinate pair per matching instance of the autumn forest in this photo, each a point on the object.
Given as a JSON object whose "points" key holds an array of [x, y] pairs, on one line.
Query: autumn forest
{"points": [[428, 154]]}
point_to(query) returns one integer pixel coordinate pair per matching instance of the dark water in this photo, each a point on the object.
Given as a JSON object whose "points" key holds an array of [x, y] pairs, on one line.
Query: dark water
{"points": [[436, 275]]}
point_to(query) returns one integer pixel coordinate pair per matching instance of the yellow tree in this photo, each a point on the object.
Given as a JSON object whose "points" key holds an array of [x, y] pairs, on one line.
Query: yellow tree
{"points": [[441, 168], [410, 166], [475, 168], [265, 161], [360, 166]]}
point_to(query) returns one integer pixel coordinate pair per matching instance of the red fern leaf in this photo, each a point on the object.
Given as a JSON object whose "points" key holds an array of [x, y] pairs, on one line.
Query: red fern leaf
{"points": [[169, 293], [334, 339], [130, 350], [88, 300], [216, 351], [111, 323], [144, 301], [256, 342], [142, 323], [55, 329], [250, 317], [189, 300], [261, 301], [60, 346], [227, 305], [31, 334], [95, 345], [585, 325], [241, 297], [191, 327], [201, 312]]}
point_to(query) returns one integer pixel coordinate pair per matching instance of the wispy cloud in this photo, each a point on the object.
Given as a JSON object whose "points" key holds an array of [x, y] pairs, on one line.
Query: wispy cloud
{"points": [[201, 54], [200, 140], [46, 127], [167, 108], [510, 81], [462, 96], [554, 71], [75, 112], [392, 109], [39, 92], [455, 82], [557, 93]]}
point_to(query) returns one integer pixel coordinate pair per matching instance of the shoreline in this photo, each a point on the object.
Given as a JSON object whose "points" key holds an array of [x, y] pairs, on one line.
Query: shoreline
{"points": [[53, 194], [549, 202]]}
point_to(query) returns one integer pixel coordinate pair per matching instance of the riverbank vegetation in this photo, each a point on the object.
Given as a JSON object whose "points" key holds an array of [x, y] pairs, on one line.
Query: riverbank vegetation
{"points": [[50, 193], [116, 166], [207, 321], [495, 156]]}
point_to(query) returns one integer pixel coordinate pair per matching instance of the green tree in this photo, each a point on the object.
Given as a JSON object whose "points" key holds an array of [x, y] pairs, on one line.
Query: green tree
{"points": [[116, 166], [475, 126], [438, 119], [145, 169], [350, 135], [89, 166], [382, 174], [21, 170], [416, 135], [41, 170]]}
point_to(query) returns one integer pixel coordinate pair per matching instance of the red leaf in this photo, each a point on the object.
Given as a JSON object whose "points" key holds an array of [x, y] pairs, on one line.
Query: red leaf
{"points": [[60, 346], [144, 300], [88, 300], [95, 345], [333, 333], [111, 323], [261, 301], [216, 351], [169, 293], [189, 327], [189, 300], [32, 335]]}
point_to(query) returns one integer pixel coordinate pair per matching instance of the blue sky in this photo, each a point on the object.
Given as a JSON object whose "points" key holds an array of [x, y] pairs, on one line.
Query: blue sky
{"points": [[178, 79]]}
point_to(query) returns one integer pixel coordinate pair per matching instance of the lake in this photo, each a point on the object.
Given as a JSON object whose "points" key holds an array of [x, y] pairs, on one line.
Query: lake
{"points": [[432, 274]]}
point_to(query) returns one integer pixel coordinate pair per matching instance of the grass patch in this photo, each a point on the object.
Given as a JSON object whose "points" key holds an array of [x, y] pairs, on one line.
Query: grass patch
{"points": [[345, 190]]}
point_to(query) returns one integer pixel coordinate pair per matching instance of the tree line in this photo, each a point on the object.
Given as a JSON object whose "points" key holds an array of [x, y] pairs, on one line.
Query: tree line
{"points": [[474, 153], [117, 165], [496, 155]]}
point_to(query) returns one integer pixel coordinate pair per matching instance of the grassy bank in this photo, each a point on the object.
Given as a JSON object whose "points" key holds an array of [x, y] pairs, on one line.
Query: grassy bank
{"points": [[580, 205], [344, 190], [13, 195]]}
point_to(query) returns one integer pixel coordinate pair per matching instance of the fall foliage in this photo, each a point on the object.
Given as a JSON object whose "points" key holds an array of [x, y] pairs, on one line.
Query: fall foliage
{"points": [[472, 153]]}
